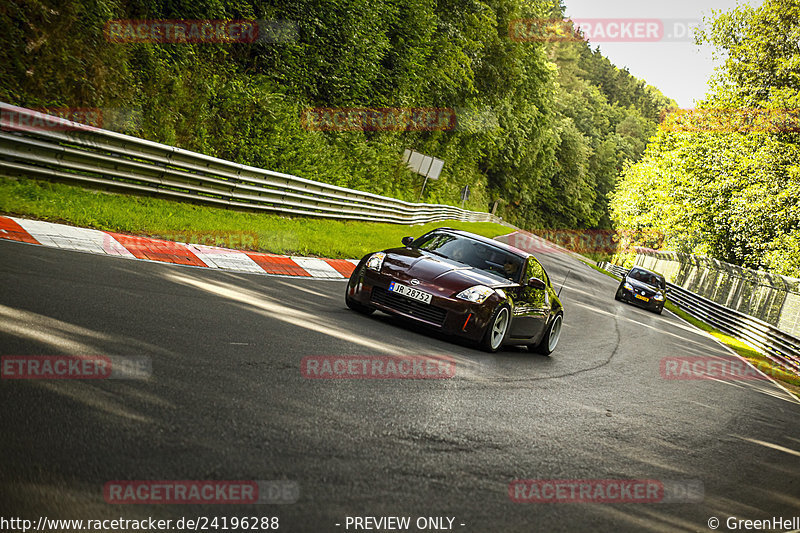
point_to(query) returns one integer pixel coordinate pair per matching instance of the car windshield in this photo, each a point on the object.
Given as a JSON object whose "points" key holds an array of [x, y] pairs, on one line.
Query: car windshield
{"points": [[484, 257], [647, 277]]}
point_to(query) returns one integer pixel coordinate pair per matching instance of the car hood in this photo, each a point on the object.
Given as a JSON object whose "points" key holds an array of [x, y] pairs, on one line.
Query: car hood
{"points": [[408, 263], [638, 285]]}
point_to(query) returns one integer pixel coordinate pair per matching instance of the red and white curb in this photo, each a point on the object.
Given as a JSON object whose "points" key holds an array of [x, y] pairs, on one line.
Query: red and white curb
{"points": [[131, 247]]}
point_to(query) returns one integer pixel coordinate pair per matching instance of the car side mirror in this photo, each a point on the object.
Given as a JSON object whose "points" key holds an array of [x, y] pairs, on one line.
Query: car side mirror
{"points": [[536, 283], [407, 240]]}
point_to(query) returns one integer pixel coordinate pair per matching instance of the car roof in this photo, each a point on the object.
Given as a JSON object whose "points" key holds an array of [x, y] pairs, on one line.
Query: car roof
{"points": [[486, 240]]}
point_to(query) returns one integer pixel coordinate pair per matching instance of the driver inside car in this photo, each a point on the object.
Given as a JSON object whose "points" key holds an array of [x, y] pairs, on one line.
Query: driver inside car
{"points": [[510, 268]]}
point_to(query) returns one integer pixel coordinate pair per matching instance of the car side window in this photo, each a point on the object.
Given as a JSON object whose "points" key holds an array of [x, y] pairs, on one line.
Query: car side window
{"points": [[433, 241], [533, 269]]}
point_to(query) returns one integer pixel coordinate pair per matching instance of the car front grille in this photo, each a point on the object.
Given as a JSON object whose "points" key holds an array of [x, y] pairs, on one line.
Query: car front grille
{"points": [[428, 313]]}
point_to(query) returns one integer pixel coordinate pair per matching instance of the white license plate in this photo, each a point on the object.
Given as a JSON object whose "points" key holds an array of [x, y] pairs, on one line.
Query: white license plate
{"points": [[409, 292]]}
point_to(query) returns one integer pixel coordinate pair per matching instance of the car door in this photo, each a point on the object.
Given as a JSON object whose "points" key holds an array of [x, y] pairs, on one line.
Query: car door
{"points": [[532, 306]]}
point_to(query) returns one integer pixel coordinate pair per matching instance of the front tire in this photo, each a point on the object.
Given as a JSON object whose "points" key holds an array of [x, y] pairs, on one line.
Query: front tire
{"points": [[355, 306], [551, 338], [496, 330]]}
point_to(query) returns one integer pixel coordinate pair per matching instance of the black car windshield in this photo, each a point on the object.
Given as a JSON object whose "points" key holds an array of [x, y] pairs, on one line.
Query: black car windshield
{"points": [[484, 257], [647, 277]]}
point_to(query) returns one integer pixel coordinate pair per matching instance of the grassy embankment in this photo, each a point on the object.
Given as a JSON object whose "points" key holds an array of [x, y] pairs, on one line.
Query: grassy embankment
{"points": [[156, 217]]}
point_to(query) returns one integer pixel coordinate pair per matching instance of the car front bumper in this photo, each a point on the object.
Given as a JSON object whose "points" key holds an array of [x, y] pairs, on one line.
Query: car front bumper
{"points": [[651, 303], [445, 313]]}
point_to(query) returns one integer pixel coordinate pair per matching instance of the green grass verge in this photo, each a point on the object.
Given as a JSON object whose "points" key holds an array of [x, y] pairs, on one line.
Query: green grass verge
{"points": [[760, 361], [595, 267], [185, 222]]}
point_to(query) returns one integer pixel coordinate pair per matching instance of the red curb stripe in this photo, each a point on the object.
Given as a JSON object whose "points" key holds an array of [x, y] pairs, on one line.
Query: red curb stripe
{"points": [[156, 250], [275, 264], [12, 231], [345, 268], [172, 252]]}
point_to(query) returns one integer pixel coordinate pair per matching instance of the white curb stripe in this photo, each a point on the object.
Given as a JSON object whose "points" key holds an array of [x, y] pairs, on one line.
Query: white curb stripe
{"points": [[99, 242], [71, 238], [225, 259], [317, 267]]}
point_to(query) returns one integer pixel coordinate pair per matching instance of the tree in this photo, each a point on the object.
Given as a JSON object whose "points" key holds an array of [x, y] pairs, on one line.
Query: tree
{"points": [[717, 185]]}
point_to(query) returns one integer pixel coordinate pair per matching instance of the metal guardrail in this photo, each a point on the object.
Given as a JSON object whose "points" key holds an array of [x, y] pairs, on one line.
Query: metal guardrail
{"points": [[775, 344], [770, 297], [36, 145]]}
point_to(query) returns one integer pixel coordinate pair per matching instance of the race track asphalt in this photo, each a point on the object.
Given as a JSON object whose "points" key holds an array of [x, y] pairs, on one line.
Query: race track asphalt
{"points": [[226, 401]]}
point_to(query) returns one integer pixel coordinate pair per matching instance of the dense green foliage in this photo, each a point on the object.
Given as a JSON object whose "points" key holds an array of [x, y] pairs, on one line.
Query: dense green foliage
{"points": [[543, 128], [731, 192]]}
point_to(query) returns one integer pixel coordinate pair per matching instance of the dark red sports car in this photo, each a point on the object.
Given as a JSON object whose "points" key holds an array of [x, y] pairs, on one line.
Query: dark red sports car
{"points": [[465, 285]]}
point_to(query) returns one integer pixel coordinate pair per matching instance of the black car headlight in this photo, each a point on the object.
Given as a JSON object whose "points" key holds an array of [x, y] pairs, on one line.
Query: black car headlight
{"points": [[476, 294], [375, 261], [628, 286], [658, 296]]}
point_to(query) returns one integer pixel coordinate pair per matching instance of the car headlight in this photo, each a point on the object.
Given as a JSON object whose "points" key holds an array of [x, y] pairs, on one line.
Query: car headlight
{"points": [[628, 286], [375, 261], [476, 294], [658, 296]]}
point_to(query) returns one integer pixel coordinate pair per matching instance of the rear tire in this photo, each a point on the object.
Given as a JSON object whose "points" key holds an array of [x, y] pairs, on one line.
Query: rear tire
{"points": [[550, 340], [497, 329]]}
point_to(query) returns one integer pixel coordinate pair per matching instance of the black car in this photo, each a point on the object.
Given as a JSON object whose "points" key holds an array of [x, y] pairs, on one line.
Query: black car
{"points": [[465, 285], [644, 288]]}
